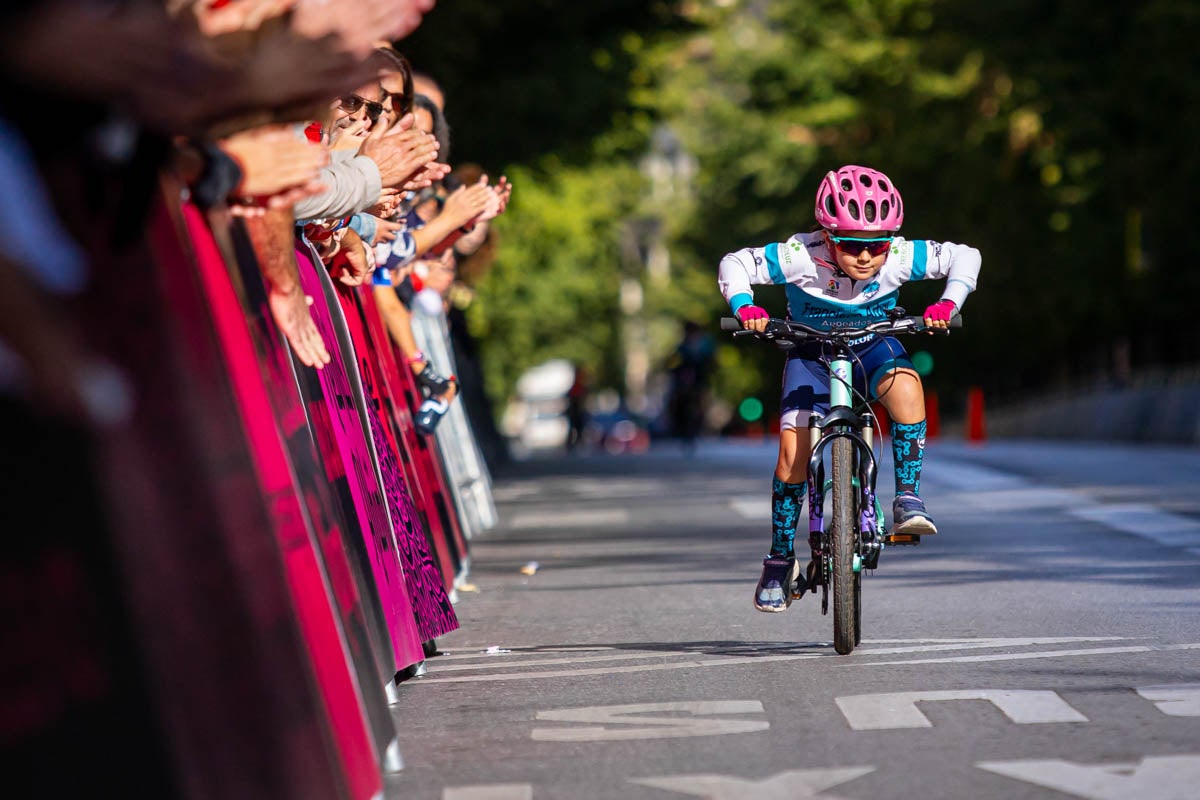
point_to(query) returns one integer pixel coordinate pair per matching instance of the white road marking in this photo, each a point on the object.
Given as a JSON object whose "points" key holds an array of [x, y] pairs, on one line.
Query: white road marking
{"points": [[1023, 499], [897, 710], [751, 509], [1176, 700], [1101, 651], [650, 727], [987, 489], [515, 652], [796, 783], [549, 661], [1173, 530], [496, 791], [969, 477], [1160, 777], [569, 519], [515, 491], [835, 661]]}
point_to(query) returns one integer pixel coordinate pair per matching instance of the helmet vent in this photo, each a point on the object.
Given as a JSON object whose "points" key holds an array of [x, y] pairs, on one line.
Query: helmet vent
{"points": [[883, 187], [865, 180], [846, 185], [883, 209], [852, 207], [829, 208], [869, 210]]}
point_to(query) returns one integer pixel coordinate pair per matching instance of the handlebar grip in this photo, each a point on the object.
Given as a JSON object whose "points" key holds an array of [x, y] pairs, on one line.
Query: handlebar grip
{"points": [[730, 324], [919, 322]]}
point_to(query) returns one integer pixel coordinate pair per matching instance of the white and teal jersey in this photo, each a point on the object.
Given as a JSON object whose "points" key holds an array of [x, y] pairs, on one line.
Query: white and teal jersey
{"points": [[821, 295]]}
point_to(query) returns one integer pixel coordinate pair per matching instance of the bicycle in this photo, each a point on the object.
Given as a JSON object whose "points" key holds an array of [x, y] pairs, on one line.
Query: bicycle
{"points": [[856, 535]]}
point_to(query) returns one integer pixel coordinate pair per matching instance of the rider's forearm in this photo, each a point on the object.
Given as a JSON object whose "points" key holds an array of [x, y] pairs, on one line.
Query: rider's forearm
{"points": [[959, 264], [779, 263]]}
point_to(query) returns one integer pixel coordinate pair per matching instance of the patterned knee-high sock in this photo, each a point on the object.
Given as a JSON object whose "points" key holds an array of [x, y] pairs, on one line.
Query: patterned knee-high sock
{"points": [[908, 450], [786, 501]]}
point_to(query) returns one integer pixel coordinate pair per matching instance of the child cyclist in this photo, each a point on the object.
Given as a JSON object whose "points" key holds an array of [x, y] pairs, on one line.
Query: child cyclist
{"points": [[847, 273]]}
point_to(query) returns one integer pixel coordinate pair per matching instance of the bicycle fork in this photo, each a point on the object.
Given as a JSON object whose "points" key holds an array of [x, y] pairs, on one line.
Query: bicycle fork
{"points": [[869, 539]]}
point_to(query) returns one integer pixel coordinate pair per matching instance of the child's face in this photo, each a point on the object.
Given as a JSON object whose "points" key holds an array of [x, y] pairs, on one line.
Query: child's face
{"points": [[860, 261]]}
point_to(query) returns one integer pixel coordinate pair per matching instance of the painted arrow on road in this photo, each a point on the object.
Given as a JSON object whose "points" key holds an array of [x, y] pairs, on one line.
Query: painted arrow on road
{"points": [[796, 783], [1160, 777]]}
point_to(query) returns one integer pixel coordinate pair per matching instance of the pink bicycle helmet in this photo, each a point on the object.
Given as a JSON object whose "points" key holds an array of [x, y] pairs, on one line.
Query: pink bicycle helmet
{"points": [[859, 199]]}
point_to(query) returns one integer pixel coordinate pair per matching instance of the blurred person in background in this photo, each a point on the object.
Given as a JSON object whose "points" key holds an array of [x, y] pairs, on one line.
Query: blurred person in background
{"points": [[690, 367]]}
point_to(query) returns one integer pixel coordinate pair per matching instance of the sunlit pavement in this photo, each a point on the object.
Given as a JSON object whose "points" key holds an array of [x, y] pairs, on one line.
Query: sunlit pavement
{"points": [[1045, 644]]}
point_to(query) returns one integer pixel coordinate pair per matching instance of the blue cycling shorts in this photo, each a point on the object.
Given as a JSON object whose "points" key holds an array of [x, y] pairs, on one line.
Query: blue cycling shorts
{"points": [[806, 376]]}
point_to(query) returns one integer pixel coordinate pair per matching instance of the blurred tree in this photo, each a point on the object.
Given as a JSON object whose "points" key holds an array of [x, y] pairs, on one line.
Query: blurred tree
{"points": [[1053, 135], [553, 290]]}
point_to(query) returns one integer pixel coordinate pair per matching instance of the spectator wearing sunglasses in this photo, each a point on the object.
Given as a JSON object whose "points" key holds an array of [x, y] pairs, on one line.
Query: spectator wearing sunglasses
{"points": [[369, 155], [847, 273]]}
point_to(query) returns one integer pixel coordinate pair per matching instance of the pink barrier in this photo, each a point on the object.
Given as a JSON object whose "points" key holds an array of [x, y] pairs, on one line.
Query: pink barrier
{"points": [[435, 614], [423, 465], [339, 427], [310, 594]]}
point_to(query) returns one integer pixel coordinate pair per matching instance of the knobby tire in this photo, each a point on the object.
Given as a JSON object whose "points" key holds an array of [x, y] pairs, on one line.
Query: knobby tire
{"points": [[845, 583]]}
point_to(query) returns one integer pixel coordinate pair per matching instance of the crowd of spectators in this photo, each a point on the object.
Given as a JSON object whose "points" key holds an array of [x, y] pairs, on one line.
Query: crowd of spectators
{"points": [[303, 119]]}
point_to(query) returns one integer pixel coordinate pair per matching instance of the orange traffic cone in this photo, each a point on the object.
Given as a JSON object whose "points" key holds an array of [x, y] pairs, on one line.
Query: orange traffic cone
{"points": [[975, 428], [933, 420]]}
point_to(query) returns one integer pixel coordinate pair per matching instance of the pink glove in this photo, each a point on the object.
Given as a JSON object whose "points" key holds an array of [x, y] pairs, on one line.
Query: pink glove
{"points": [[747, 313], [941, 311]]}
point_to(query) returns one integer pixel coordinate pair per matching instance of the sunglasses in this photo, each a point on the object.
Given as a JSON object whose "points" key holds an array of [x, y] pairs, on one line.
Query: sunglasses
{"points": [[351, 103], [853, 246]]}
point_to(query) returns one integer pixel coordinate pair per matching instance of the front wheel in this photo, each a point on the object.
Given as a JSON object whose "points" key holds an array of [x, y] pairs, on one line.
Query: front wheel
{"points": [[846, 586]]}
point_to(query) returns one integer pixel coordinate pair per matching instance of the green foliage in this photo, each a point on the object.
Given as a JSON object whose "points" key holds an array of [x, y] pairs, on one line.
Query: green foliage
{"points": [[553, 290], [1054, 136]]}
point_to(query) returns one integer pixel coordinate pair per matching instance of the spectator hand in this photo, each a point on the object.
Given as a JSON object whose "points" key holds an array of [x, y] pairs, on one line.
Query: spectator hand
{"points": [[354, 263], [359, 24], [428, 175], [244, 15], [389, 201], [467, 203], [273, 159], [385, 231], [753, 318], [939, 314], [290, 310], [399, 152], [503, 190]]}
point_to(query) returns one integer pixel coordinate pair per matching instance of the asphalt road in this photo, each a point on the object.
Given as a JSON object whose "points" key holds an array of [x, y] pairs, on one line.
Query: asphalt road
{"points": [[1045, 644]]}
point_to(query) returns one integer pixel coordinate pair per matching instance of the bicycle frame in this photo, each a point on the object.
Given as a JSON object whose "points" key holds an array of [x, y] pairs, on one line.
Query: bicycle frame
{"points": [[842, 421], [857, 542]]}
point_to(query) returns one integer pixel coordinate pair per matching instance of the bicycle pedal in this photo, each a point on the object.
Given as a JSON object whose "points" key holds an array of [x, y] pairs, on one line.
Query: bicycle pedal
{"points": [[902, 538]]}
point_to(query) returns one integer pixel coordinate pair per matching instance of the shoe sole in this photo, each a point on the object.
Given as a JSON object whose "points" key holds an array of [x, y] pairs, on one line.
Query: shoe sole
{"points": [[771, 610], [917, 526]]}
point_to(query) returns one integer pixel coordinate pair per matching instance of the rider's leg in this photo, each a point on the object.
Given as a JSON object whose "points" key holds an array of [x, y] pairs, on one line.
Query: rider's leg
{"points": [[902, 395], [787, 489], [805, 386], [773, 592]]}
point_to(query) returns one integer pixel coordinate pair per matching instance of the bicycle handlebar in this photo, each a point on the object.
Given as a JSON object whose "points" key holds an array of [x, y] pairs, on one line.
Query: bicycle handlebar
{"points": [[798, 332]]}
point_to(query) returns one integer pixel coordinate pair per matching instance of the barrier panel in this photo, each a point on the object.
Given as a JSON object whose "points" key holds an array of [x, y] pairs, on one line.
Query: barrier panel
{"points": [[462, 459], [423, 578], [226, 662], [337, 422], [310, 591], [427, 483], [338, 539]]}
